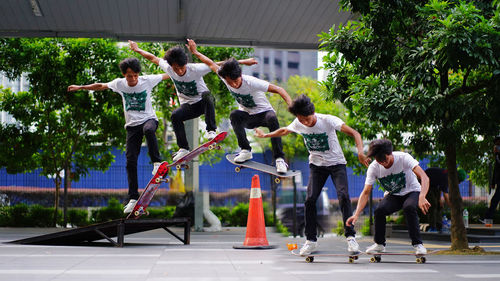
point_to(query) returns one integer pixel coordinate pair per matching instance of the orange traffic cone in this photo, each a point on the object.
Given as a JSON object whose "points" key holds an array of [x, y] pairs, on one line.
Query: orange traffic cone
{"points": [[256, 225]]}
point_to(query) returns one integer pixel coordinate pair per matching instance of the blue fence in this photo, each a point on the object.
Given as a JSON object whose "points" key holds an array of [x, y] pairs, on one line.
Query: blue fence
{"points": [[219, 177]]}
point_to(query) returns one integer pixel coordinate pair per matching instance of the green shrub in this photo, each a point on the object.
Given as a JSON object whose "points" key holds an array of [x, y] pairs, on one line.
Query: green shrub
{"points": [[223, 213], [5, 216], [113, 211], [339, 230], [282, 229], [40, 216], [166, 212], [239, 215], [365, 229], [78, 217], [19, 215]]}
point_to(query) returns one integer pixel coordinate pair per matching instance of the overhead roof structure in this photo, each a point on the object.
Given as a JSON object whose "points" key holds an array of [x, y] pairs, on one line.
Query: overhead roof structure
{"points": [[289, 24]]}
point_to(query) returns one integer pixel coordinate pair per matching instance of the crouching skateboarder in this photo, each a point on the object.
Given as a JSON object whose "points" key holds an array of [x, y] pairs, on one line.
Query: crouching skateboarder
{"points": [[397, 173]]}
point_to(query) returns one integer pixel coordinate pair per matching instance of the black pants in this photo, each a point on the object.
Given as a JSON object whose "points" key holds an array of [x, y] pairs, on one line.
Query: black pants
{"points": [[317, 178], [134, 141], [393, 203], [493, 203], [190, 111], [435, 214], [241, 120]]}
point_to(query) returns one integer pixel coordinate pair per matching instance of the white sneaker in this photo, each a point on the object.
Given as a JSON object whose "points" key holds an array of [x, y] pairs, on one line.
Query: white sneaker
{"points": [[420, 249], [375, 248], [308, 248], [243, 156], [179, 154], [156, 165], [210, 135], [130, 206], [352, 245], [281, 166]]}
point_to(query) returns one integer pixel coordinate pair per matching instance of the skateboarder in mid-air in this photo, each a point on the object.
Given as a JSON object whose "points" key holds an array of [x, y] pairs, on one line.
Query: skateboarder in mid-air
{"points": [[397, 174], [140, 117], [325, 159], [254, 107], [194, 97]]}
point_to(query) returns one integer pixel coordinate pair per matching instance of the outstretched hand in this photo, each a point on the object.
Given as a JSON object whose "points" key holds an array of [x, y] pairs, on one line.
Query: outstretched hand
{"points": [[351, 221], [363, 159], [191, 45], [133, 45], [259, 133], [72, 88]]}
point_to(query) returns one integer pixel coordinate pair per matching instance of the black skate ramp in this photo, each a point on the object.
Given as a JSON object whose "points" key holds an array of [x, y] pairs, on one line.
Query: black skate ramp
{"points": [[107, 230]]}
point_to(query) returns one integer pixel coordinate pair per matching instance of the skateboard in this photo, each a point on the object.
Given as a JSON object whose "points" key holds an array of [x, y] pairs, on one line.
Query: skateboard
{"points": [[260, 167], [418, 258], [149, 191], [310, 258], [209, 145]]}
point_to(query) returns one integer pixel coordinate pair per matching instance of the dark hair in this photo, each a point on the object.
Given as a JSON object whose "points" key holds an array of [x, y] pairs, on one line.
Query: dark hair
{"points": [[132, 63], [230, 68], [176, 55], [302, 106], [379, 149]]}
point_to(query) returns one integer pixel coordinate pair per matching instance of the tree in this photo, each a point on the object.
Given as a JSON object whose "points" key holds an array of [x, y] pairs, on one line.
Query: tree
{"points": [[165, 100], [426, 75], [56, 131]]}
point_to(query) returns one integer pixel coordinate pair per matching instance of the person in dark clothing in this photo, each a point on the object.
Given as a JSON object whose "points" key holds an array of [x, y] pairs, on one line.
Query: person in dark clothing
{"points": [[438, 183], [495, 180]]}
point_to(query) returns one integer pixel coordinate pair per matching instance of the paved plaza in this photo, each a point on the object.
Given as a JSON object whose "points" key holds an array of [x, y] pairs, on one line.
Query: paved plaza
{"points": [[156, 255]]}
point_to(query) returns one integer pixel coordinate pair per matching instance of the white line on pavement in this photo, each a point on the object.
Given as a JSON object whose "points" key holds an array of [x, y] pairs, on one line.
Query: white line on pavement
{"points": [[324, 272], [217, 262], [478, 276]]}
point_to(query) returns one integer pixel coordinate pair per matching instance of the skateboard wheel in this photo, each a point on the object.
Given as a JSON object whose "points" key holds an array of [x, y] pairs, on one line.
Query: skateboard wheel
{"points": [[219, 147], [186, 166], [351, 259], [309, 259], [378, 259], [167, 180], [158, 180], [356, 257], [277, 180], [137, 213], [237, 169], [178, 166], [212, 146]]}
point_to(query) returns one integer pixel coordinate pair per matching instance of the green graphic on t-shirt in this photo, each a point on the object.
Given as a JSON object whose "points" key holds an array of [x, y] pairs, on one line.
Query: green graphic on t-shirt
{"points": [[135, 101], [245, 100], [316, 142], [186, 88], [393, 183]]}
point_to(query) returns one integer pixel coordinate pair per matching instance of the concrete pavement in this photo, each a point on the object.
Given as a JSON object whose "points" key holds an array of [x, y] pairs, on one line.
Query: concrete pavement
{"points": [[156, 255]]}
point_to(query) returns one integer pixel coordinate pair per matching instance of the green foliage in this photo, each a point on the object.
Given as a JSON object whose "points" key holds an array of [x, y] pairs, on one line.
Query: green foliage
{"points": [[113, 211], [22, 215], [78, 217], [239, 215], [339, 230], [166, 212], [365, 229], [282, 229], [223, 214]]}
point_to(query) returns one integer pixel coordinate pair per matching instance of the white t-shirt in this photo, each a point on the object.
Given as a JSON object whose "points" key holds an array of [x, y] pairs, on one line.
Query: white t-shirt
{"points": [[137, 104], [399, 179], [251, 95], [321, 139], [190, 85]]}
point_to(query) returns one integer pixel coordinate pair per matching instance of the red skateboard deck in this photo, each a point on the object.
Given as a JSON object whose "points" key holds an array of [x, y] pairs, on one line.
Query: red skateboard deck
{"points": [[260, 167], [209, 145], [310, 258], [149, 191]]}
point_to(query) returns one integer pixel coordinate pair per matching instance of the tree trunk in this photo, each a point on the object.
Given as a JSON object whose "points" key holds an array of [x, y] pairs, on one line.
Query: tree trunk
{"points": [[67, 186], [458, 231], [57, 181]]}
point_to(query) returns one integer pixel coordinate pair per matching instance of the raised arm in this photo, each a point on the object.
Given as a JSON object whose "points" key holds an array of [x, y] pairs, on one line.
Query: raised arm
{"points": [[280, 91], [363, 199], [363, 159], [278, 133], [89, 87], [191, 45], [152, 58]]}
